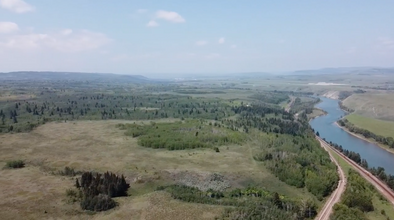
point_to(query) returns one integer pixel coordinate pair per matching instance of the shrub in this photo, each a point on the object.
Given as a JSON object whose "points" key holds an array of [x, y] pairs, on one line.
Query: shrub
{"points": [[15, 164], [69, 172], [96, 190], [97, 203]]}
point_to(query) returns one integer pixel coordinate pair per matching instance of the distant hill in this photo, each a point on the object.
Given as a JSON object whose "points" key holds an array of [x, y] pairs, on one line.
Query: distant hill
{"points": [[49, 76], [346, 70]]}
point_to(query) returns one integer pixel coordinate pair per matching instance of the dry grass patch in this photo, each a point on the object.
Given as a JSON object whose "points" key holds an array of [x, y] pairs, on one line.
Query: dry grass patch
{"points": [[100, 146]]}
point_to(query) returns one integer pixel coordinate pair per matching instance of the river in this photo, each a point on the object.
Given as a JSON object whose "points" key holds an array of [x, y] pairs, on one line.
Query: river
{"points": [[374, 155]]}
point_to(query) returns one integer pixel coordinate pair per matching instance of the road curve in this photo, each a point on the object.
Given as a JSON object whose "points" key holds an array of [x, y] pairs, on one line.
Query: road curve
{"points": [[377, 183], [326, 211]]}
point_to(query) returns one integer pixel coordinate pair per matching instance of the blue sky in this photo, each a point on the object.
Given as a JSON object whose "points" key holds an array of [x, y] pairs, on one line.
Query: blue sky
{"points": [[155, 38]]}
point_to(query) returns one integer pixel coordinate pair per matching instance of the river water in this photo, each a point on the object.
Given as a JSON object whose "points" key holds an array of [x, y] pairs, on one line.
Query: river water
{"points": [[374, 155]]}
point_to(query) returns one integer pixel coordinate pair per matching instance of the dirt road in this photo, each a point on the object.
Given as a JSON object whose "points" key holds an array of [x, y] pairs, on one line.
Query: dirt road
{"points": [[326, 211], [377, 183], [290, 104]]}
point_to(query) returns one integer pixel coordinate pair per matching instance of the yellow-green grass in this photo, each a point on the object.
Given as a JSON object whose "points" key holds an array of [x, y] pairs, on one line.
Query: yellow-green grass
{"points": [[372, 105], [379, 127], [378, 201], [100, 146]]}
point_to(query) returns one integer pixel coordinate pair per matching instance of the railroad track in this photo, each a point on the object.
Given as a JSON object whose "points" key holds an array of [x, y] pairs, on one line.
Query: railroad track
{"points": [[379, 185]]}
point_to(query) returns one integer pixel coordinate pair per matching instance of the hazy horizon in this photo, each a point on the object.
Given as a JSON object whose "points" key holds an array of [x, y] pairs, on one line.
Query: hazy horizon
{"points": [[176, 37]]}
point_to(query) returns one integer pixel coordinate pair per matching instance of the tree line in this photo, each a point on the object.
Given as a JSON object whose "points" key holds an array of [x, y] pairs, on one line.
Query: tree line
{"points": [[389, 141]]}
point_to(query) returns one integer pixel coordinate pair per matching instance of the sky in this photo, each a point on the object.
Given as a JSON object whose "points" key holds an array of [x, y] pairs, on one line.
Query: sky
{"points": [[175, 37]]}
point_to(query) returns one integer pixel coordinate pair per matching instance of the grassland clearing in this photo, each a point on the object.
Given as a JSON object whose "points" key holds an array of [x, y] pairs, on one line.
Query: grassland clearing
{"points": [[100, 146], [372, 105]]}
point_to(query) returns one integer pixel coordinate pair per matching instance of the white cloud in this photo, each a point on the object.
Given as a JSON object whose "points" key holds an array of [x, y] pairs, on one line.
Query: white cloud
{"points": [[233, 46], [66, 32], [63, 41], [8, 27], [170, 16], [221, 40], [17, 6], [201, 43], [152, 24]]}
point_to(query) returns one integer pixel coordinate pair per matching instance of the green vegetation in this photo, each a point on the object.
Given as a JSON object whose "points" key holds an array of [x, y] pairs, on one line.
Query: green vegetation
{"points": [[300, 162], [388, 141], [378, 127], [306, 104], [376, 104], [268, 160], [271, 97], [95, 191], [379, 202], [189, 134], [356, 200], [256, 202], [15, 164]]}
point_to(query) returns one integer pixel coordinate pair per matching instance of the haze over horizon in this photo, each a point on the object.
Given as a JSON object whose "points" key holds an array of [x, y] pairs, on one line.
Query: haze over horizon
{"points": [[134, 37]]}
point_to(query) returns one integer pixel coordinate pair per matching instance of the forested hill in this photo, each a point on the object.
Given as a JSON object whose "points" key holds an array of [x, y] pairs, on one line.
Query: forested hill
{"points": [[53, 76]]}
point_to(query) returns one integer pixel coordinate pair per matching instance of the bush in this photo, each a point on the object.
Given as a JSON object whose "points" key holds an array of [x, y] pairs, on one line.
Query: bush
{"points": [[98, 203], [96, 190], [15, 164], [69, 172]]}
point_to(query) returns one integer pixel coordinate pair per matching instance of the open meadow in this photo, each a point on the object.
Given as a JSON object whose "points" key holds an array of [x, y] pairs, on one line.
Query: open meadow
{"points": [[376, 126], [37, 192], [378, 105]]}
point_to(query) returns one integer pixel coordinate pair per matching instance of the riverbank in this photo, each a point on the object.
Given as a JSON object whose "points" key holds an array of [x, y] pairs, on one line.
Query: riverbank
{"points": [[385, 147]]}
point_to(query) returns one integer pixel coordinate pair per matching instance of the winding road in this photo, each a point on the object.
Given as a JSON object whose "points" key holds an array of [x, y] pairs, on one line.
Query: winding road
{"points": [[326, 211]]}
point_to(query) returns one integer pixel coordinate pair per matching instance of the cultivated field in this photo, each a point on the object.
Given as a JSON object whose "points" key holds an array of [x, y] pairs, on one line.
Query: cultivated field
{"points": [[35, 192]]}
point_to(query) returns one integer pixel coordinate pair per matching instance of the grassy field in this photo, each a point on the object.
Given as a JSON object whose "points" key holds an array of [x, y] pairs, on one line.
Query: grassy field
{"points": [[378, 201], [372, 105], [379, 127], [34, 192]]}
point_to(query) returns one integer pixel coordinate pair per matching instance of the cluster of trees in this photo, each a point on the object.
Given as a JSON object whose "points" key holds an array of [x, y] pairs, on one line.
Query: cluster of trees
{"points": [[254, 201], [304, 104], [389, 141], [97, 190], [266, 119], [270, 97], [300, 162], [72, 105], [354, 205], [189, 134], [378, 172]]}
